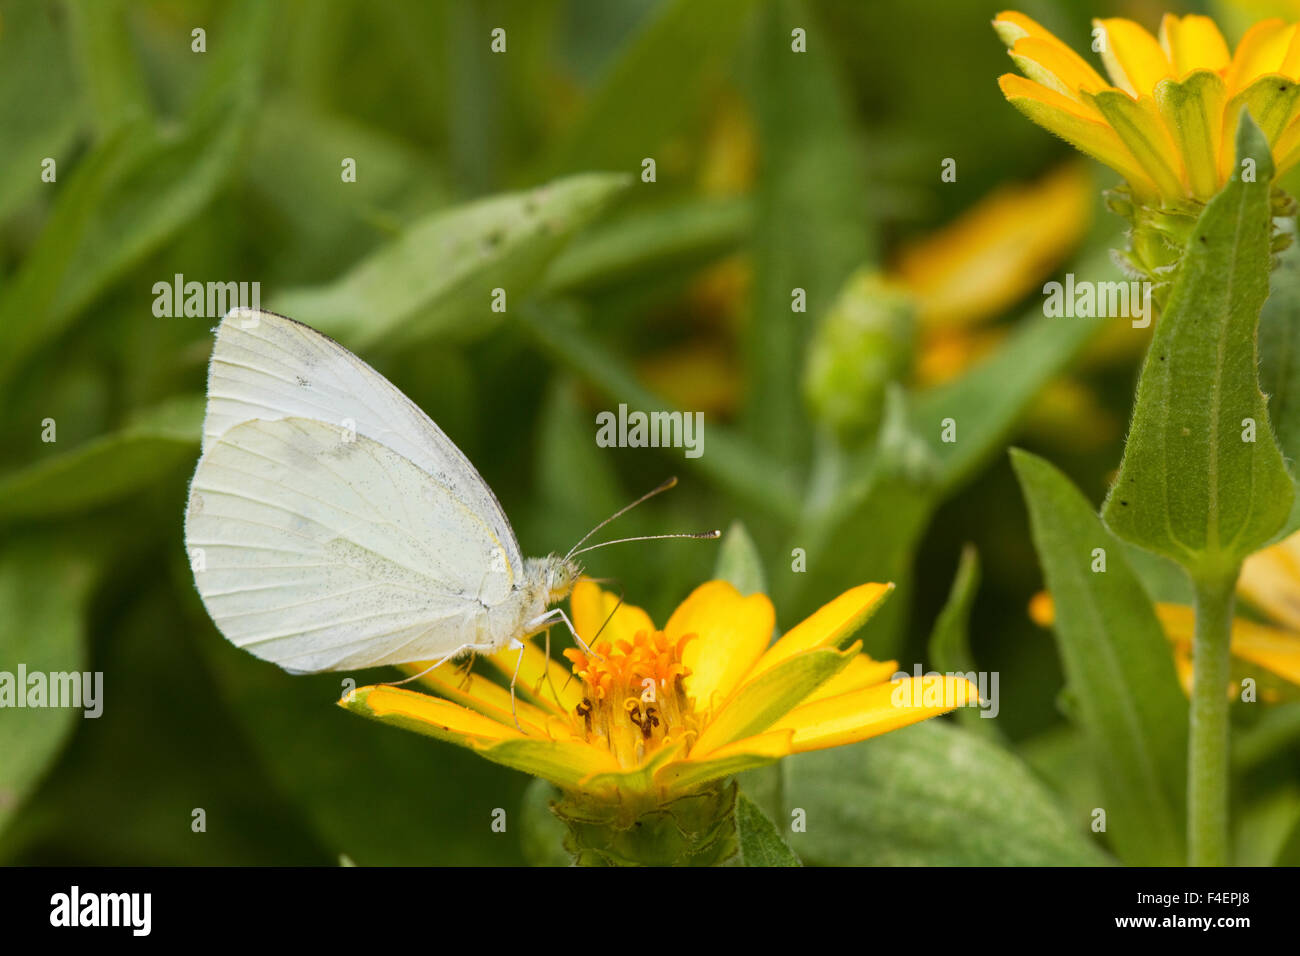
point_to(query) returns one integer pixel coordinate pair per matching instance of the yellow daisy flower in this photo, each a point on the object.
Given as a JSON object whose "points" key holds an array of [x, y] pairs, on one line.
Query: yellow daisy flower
{"points": [[663, 712], [989, 258], [1167, 119], [1270, 580]]}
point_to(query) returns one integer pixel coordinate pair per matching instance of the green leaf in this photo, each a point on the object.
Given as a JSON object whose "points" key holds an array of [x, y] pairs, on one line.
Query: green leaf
{"points": [[1279, 359], [654, 240], [864, 343], [1289, 854], [541, 831], [950, 638], [564, 446], [760, 841], [813, 222], [293, 166], [661, 70], [27, 315], [1276, 731], [729, 460], [135, 189], [379, 794], [988, 402], [43, 593], [893, 504], [40, 109], [739, 561], [1191, 487], [108, 62], [929, 795], [1060, 756], [903, 494], [1263, 819], [109, 467], [1119, 669], [395, 296]]}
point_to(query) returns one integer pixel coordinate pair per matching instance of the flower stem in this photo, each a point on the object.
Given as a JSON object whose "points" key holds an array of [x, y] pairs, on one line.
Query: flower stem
{"points": [[1207, 757]]}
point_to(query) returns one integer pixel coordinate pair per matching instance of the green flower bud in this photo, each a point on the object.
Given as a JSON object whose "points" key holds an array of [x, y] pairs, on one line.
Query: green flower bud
{"points": [[865, 342]]}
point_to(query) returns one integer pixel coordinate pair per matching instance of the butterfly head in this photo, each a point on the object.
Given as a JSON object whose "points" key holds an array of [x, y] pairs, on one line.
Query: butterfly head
{"points": [[557, 576]]}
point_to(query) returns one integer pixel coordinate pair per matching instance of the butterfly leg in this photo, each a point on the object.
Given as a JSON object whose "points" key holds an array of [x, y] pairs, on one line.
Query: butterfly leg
{"points": [[465, 671], [434, 666], [471, 648], [537, 623], [514, 710], [546, 673]]}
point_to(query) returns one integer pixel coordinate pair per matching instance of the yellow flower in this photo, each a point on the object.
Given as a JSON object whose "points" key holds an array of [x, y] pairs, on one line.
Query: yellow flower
{"points": [[662, 713], [997, 252], [1270, 581], [1167, 119], [986, 261]]}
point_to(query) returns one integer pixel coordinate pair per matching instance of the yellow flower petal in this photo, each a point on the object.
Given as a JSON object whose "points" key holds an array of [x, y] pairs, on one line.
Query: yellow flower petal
{"points": [[542, 679], [481, 695], [1067, 119], [997, 252], [946, 353], [1272, 101], [566, 763], [1193, 43], [1055, 65], [1273, 649], [1139, 127], [831, 625], [592, 607], [862, 672], [426, 714], [638, 779], [1186, 676], [1134, 59], [725, 761], [1262, 50], [1286, 151], [733, 630], [1270, 579], [763, 699], [1011, 26], [1291, 61], [867, 713], [1193, 113], [1042, 609], [703, 376]]}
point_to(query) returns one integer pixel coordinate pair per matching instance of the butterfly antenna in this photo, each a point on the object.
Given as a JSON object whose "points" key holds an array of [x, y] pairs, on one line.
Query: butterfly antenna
{"points": [[704, 535], [610, 617], [619, 513]]}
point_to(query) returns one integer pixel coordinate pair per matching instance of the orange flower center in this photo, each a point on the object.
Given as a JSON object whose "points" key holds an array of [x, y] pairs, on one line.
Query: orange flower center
{"points": [[633, 697]]}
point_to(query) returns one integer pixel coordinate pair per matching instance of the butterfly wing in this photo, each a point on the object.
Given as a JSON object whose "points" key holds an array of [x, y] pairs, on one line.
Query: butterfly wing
{"points": [[320, 552], [267, 366], [331, 523]]}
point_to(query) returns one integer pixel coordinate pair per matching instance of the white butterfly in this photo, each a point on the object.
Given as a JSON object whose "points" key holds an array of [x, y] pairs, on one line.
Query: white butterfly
{"points": [[332, 525]]}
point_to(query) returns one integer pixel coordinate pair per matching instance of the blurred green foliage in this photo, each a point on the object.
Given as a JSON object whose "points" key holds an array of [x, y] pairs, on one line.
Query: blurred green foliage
{"points": [[477, 170]]}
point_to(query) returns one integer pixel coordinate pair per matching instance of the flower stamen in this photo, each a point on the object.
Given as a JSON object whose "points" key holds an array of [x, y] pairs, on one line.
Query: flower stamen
{"points": [[634, 697]]}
